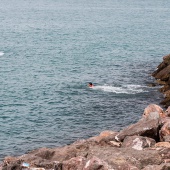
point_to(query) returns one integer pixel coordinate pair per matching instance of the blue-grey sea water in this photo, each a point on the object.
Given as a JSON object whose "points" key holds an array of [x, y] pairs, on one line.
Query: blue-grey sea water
{"points": [[50, 50]]}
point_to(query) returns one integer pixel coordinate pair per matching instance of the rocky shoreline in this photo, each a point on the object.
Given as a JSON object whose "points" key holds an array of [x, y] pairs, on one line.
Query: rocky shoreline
{"points": [[144, 145], [162, 76]]}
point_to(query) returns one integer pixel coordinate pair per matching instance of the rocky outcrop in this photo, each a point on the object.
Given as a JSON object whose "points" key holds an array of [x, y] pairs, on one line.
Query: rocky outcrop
{"points": [[162, 76], [144, 145]]}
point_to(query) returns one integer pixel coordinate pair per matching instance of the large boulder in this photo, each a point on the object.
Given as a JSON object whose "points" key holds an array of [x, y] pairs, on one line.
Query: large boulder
{"points": [[165, 131], [146, 128], [162, 65], [119, 158], [163, 74], [151, 110]]}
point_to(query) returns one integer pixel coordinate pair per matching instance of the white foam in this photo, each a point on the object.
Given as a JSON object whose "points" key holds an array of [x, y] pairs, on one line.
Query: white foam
{"points": [[1, 53], [125, 89]]}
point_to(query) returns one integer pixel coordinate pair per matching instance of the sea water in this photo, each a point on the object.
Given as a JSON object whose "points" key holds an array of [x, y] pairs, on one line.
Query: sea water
{"points": [[50, 50]]}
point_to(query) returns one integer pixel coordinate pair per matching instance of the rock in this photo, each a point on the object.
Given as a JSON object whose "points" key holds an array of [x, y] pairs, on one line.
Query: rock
{"points": [[151, 84], [123, 157], [157, 167], [164, 152], [162, 65], [167, 161], [76, 163], [96, 164], [153, 108], [138, 142], [57, 165], [164, 120], [162, 76], [167, 112], [11, 163], [164, 88], [114, 143], [167, 59], [160, 82], [105, 137], [165, 131], [36, 169], [163, 144], [165, 102], [142, 128], [167, 94], [167, 138], [45, 153], [153, 115]]}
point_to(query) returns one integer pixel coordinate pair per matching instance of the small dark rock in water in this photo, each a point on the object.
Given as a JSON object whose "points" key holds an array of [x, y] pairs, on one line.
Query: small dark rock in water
{"points": [[152, 84]]}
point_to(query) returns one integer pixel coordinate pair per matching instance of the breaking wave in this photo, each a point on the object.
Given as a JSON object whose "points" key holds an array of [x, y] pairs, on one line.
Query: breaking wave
{"points": [[1, 53]]}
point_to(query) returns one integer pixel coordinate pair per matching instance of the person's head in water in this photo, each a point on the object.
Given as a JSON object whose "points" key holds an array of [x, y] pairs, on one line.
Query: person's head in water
{"points": [[90, 84]]}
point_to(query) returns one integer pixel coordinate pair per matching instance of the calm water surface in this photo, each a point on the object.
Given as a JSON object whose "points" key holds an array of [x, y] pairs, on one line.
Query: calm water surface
{"points": [[50, 50]]}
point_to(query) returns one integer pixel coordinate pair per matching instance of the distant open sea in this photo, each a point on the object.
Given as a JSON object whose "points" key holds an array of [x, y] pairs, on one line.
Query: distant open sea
{"points": [[50, 50]]}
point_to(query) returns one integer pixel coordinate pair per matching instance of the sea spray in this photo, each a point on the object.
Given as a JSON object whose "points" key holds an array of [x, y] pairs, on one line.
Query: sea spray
{"points": [[124, 89], [1, 53]]}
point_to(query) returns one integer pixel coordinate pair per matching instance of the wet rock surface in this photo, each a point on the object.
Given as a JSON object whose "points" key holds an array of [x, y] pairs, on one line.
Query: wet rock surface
{"points": [[140, 146]]}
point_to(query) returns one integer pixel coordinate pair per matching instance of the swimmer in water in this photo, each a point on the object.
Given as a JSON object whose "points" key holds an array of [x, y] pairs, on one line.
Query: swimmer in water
{"points": [[90, 84]]}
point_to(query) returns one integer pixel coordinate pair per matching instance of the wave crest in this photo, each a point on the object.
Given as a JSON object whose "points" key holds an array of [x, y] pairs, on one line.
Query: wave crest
{"points": [[125, 89], [1, 53]]}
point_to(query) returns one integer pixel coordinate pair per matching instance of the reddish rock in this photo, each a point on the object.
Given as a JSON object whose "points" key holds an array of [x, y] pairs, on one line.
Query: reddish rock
{"points": [[105, 137], [167, 112], [96, 164], [167, 138], [157, 167], [76, 163], [163, 144], [138, 142], [164, 152], [145, 128], [119, 158], [153, 108], [165, 131]]}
